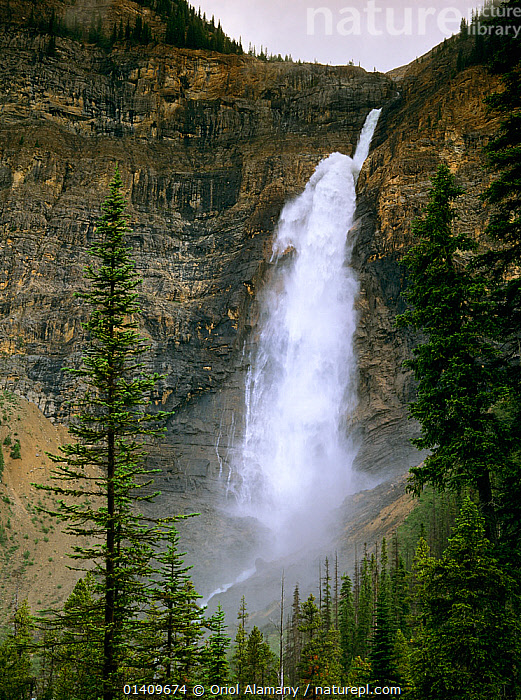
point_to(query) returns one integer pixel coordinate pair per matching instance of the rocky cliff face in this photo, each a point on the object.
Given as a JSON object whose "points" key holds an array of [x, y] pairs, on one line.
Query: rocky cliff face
{"points": [[438, 117], [210, 147]]}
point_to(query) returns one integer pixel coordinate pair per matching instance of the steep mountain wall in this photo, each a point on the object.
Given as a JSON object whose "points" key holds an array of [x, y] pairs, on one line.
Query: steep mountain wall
{"points": [[210, 147], [439, 117]]}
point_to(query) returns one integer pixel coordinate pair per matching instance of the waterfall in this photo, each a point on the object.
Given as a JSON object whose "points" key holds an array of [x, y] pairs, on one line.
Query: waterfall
{"points": [[297, 453]]}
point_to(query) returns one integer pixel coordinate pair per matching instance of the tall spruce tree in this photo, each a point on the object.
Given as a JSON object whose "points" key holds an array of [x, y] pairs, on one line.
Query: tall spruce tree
{"points": [[294, 640], [261, 662], [504, 261], [179, 620], [326, 607], [466, 643], [382, 647], [216, 667], [364, 612], [17, 681], [72, 656], [311, 624], [240, 653], [457, 381], [346, 623], [320, 659], [111, 430]]}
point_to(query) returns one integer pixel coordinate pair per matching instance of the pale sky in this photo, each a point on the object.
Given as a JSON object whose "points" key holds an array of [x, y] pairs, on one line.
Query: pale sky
{"points": [[377, 33]]}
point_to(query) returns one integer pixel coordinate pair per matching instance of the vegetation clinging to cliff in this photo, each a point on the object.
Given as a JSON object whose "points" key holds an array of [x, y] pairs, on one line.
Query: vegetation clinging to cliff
{"points": [[180, 25]]}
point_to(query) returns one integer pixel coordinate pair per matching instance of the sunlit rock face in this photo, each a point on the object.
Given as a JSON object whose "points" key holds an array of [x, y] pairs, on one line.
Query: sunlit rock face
{"points": [[210, 147], [438, 117]]}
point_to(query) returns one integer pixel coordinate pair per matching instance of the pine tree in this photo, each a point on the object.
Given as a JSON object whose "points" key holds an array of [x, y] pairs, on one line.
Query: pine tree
{"points": [[346, 623], [74, 652], [143, 660], [364, 613], [468, 631], [294, 642], [382, 647], [261, 662], [457, 382], [320, 656], [179, 619], [504, 228], [326, 603], [400, 603], [401, 662], [360, 672], [17, 680], [111, 430], [215, 653], [310, 628], [239, 659]]}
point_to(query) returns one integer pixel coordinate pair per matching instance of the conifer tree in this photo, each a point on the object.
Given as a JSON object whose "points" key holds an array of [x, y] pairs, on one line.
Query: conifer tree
{"points": [[399, 590], [504, 228], [74, 652], [320, 656], [261, 662], [240, 653], [16, 674], [310, 628], [326, 602], [215, 653], [401, 662], [360, 672], [294, 643], [466, 644], [457, 383], [364, 613], [179, 620], [382, 647], [143, 660], [346, 623], [111, 430]]}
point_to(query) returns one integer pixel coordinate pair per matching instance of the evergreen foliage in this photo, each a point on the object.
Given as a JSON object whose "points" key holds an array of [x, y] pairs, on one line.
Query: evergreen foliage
{"points": [[294, 641], [240, 652], [364, 612], [347, 623], [310, 666], [111, 428], [383, 642], [454, 366], [17, 680], [360, 673], [73, 655], [326, 608], [504, 229], [184, 28], [401, 662], [467, 631], [215, 653], [15, 450], [179, 621], [261, 662]]}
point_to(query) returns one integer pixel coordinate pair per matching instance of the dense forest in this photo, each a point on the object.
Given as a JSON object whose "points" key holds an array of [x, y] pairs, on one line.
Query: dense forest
{"points": [[432, 614]]}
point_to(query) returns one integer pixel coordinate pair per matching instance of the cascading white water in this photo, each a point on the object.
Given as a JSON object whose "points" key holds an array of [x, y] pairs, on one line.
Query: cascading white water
{"points": [[297, 455]]}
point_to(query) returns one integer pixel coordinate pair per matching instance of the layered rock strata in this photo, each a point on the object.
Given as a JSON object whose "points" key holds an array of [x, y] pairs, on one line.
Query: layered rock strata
{"points": [[210, 147]]}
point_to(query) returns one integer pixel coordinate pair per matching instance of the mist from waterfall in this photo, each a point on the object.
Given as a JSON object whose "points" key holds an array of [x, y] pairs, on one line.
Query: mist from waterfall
{"points": [[301, 391]]}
